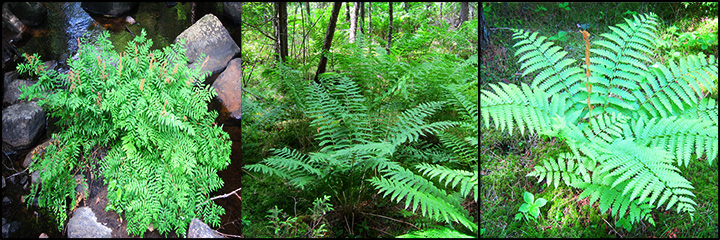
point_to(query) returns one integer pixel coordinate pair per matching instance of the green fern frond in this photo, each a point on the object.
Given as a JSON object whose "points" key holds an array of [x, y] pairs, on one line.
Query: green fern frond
{"points": [[468, 180], [337, 113], [606, 127], [556, 73], [669, 91], [572, 172], [290, 165], [679, 136], [435, 203], [527, 107], [441, 232], [466, 149], [646, 171], [621, 204], [410, 124]]}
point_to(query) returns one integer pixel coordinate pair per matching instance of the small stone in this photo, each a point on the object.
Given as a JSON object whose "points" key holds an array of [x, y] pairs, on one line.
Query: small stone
{"points": [[130, 20]]}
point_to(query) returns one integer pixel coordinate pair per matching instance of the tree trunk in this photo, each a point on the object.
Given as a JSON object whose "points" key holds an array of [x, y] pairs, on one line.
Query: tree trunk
{"points": [[390, 27], [484, 36], [370, 19], [354, 21], [362, 17], [328, 39], [463, 13], [281, 33]]}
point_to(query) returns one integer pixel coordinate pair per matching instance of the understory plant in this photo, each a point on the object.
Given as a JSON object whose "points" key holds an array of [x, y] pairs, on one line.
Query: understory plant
{"points": [[150, 110], [313, 226], [531, 208], [628, 121], [357, 148]]}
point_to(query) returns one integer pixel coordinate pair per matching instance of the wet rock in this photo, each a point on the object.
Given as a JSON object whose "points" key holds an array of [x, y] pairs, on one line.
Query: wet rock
{"points": [[229, 88], [11, 21], [9, 228], [210, 37], [130, 20], [9, 77], [109, 9], [232, 10], [6, 201], [38, 152], [83, 224], [35, 177], [12, 91], [199, 229], [30, 13], [22, 124], [23, 180]]}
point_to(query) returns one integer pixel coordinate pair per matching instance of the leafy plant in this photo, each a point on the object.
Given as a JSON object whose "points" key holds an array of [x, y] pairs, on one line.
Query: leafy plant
{"points": [[626, 122], [531, 208], [440, 232], [151, 111], [292, 227], [564, 6], [354, 145], [560, 36]]}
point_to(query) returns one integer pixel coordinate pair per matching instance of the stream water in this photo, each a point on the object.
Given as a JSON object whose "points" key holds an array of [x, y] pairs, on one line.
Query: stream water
{"points": [[56, 40]]}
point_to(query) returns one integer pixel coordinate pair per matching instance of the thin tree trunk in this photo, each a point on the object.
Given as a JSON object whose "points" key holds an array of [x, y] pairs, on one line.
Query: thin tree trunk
{"points": [[463, 13], [354, 21], [370, 19], [328, 40], [390, 27], [281, 13], [362, 17]]}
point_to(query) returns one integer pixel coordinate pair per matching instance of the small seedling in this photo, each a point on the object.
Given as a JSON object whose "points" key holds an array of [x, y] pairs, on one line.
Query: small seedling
{"points": [[531, 207]]}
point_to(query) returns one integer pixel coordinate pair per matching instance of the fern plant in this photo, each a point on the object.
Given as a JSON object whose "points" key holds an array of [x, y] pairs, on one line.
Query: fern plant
{"points": [[627, 121], [151, 111], [354, 148]]}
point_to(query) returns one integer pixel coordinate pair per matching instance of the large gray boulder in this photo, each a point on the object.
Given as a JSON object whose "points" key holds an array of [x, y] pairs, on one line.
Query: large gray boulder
{"points": [[83, 224], [233, 10], [12, 91], [199, 229], [210, 37], [22, 124], [30, 13]]}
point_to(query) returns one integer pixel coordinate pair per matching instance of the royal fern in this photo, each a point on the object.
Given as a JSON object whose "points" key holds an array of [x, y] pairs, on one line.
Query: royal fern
{"points": [[626, 132], [164, 149]]}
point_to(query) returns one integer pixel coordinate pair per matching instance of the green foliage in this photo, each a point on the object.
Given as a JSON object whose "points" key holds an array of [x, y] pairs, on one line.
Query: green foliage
{"points": [[645, 117], [294, 227], [560, 36], [531, 208], [353, 144], [151, 111], [440, 232]]}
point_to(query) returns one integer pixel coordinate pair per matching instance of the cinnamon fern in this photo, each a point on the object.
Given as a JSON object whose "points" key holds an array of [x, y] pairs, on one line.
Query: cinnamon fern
{"points": [[629, 133]]}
